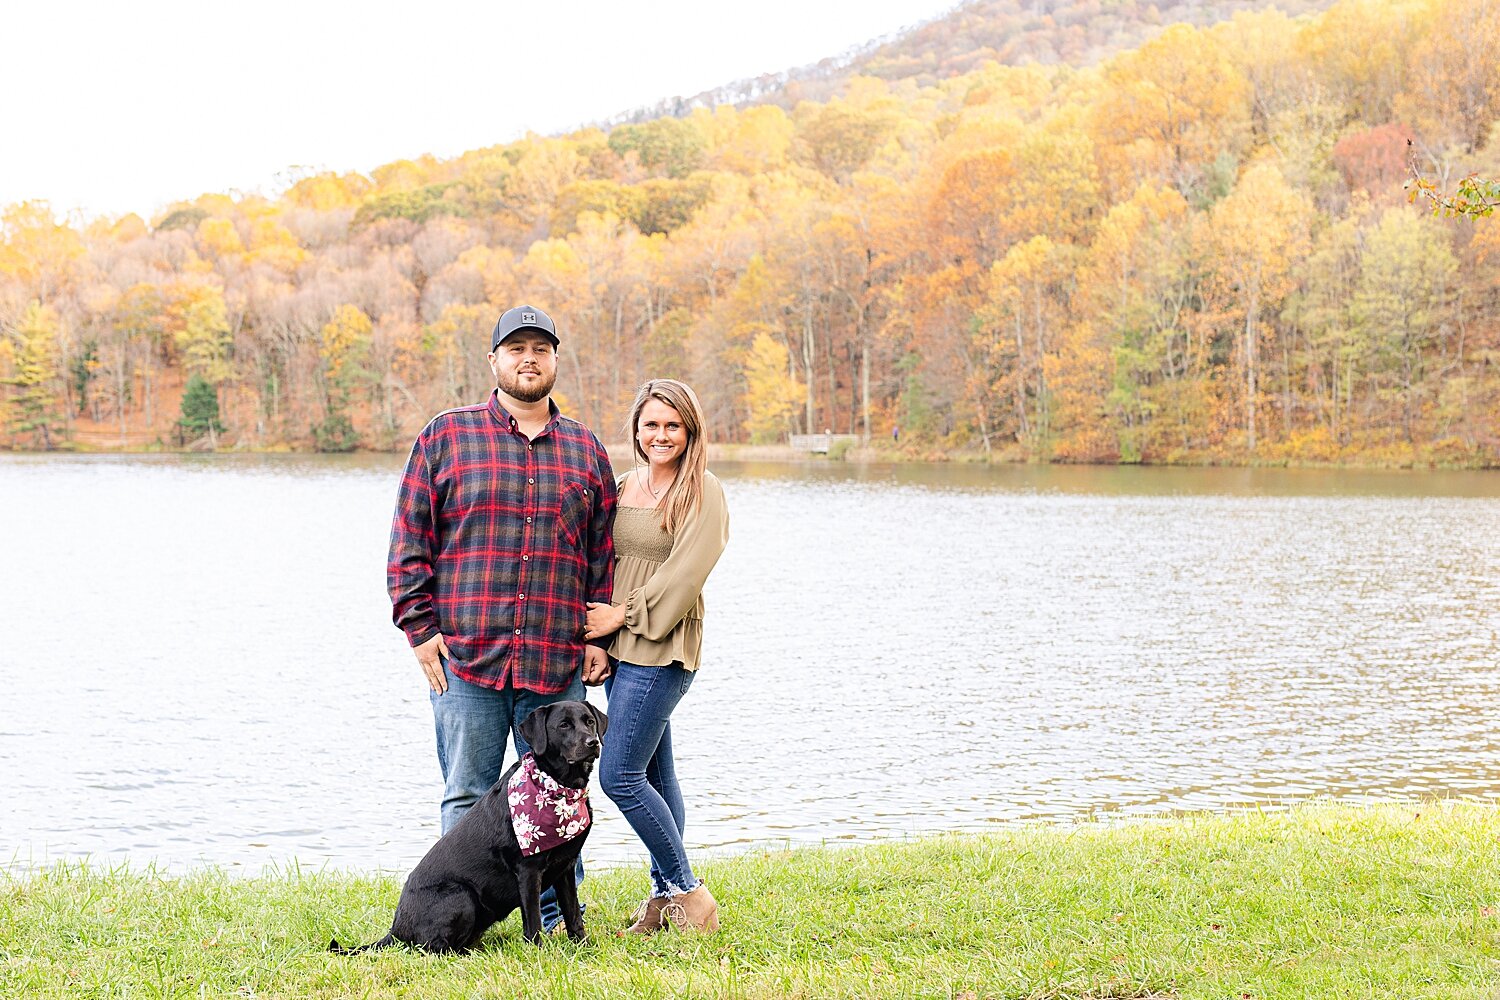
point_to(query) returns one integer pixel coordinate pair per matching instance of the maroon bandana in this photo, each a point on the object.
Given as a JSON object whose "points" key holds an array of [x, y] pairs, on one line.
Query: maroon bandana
{"points": [[544, 813]]}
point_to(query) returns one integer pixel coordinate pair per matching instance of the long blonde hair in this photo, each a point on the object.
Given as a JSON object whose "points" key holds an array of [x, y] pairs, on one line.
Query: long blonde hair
{"points": [[686, 490]]}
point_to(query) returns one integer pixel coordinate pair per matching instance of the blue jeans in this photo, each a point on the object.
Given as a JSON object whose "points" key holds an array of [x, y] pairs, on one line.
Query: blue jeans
{"points": [[472, 723], [636, 769]]}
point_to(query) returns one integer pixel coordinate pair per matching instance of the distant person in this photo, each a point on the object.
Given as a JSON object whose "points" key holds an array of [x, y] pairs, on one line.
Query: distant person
{"points": [[672, 526], [895, 433], [500, 538]]}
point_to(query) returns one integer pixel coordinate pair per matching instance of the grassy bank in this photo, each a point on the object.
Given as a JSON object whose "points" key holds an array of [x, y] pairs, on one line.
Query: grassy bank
{"points": [[1325, 901]]}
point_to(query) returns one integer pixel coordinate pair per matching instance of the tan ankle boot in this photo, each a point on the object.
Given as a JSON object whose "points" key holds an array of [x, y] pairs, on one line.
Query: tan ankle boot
{"points": [[693, 911], [648, 916]]}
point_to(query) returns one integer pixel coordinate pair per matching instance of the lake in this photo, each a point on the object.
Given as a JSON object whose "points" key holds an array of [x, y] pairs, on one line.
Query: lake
{"points": [[200, 668]]}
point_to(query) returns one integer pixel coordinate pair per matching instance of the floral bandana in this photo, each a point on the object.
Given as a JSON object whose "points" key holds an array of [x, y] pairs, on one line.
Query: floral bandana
{"points": [[543, 813]]}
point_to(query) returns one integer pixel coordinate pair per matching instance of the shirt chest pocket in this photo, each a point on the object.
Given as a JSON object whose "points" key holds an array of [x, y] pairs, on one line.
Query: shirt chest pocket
{"points": [[573, 513]]}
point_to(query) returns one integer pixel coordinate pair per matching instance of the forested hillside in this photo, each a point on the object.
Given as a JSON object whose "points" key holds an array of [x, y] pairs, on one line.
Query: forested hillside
{"points": [[1010, 32], [1195, 250]]}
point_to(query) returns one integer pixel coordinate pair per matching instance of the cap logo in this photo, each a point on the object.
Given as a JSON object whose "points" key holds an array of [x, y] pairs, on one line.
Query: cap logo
{"points": [[528, 317]]}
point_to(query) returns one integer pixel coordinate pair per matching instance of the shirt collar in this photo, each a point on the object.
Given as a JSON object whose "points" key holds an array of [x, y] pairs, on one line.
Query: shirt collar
{"points": [[503, 417]]}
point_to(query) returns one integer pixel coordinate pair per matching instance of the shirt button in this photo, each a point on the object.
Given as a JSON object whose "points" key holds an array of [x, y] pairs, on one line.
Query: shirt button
{"points": [[526, 559], [528, 520], [518, 631], [530, 481], [521, 597]]}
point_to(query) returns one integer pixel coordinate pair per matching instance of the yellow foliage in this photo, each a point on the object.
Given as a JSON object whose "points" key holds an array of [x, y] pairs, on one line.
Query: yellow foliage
{"points": [[554, 262], [328, 191], [760, 140], [220, 237], [127, 228], [403, 174], [36, 250], [198, 321], [343, 336], [1171, 108], [771, 393]]}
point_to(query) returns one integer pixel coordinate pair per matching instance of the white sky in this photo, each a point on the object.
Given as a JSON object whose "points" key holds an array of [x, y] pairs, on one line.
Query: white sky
{"points": [[110, 107]]}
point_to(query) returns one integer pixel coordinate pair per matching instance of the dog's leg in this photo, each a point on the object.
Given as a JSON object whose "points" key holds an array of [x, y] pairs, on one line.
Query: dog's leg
{"points": [[567, 901], [529, 881]]}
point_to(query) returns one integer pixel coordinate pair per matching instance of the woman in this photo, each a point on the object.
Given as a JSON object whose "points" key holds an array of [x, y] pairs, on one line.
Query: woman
{"points": [[670, 528]]}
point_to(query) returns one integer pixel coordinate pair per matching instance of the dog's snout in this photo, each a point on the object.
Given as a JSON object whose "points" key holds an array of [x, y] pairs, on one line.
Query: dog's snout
{"points": [[592, 743]]}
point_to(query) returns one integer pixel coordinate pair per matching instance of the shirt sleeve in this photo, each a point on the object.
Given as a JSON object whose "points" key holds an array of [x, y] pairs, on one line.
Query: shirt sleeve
{"points": [[653, 609], [409, 568]]}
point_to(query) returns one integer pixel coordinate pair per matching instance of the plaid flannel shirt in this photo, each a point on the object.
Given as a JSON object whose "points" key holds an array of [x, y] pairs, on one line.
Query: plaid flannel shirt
{"points": [[498, 542]]}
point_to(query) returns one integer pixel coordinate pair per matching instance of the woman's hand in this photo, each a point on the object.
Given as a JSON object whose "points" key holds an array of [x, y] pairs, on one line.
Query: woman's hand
{"points": [[603, 619]]}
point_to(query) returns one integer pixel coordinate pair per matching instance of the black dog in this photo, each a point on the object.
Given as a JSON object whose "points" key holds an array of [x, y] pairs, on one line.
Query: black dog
{"points": [[477, 873]]}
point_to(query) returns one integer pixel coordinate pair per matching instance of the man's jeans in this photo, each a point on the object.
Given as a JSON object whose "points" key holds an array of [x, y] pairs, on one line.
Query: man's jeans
{"points": [[472, 723]]}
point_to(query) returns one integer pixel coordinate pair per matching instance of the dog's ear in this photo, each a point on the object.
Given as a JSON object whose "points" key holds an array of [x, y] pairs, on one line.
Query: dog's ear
{"points": [[600, 719], [534, 729]]}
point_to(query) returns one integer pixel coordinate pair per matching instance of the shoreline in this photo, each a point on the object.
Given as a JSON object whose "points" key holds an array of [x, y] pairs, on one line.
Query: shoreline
{"points": [[620, 454], [1320, 899]]}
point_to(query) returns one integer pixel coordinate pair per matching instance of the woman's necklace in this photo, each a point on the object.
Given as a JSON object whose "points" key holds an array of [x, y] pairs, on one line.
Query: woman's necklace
{"points": [[655, 493]]}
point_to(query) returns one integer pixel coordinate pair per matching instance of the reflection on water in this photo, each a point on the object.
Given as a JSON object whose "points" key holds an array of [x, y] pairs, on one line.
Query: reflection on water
{"points": [[199, 663]]}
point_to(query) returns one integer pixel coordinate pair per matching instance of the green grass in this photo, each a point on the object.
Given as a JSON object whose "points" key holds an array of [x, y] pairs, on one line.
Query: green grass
{"points": [[1323, 901]]}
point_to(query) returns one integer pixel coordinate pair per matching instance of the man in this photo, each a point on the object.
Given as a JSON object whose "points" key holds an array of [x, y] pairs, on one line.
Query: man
{"points": [[502, 534]]}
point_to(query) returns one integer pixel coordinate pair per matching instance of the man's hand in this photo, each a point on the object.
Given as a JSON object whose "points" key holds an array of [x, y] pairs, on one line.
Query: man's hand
{"points": [[428, 656], [595, 666], [603, 619]]}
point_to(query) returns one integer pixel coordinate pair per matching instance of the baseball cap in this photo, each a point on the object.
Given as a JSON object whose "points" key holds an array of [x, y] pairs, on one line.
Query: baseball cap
{"points": [[523, 318]]}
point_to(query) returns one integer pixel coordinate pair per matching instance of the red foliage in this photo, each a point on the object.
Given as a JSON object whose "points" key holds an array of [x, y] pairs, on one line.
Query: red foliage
{"points": [[1374, 160]]}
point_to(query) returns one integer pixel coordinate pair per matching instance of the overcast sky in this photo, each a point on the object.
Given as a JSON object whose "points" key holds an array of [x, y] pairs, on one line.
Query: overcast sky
{"points": [[108, 108]]}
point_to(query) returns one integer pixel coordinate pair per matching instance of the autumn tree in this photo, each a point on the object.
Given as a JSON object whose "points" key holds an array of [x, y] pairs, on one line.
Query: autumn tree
{"points": [[1258, 236], [1170, 109], [1407, 271], [1337, 346], [664, 147], [198, 322], [35, 397], [1020, 327], [771, 392], [1452, 93], [345, 347], [39, 253]]}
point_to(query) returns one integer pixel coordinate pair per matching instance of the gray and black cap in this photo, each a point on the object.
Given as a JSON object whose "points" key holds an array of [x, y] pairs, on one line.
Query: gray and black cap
{"points": [[523, 318]]}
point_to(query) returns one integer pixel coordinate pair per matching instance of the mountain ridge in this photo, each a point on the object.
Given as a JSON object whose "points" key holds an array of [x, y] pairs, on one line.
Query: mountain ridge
{"points": [[1009, 32]]}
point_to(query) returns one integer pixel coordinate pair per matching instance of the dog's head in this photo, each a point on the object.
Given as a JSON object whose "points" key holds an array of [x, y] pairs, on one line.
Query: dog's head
{"points": [[565, 736]]}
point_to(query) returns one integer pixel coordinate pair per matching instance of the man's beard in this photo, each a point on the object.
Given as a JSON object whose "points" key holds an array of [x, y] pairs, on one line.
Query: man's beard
{"points": [[512, 386]]}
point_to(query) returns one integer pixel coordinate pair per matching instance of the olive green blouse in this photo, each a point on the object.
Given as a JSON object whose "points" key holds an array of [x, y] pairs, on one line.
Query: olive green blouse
{"points": [[659, 579]]}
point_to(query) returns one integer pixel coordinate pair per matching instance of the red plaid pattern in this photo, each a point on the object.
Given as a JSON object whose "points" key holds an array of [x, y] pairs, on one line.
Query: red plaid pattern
{"points": [[498, 542]]}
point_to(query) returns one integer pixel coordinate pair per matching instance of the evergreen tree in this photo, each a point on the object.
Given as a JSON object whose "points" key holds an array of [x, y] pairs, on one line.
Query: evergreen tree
{"points": [[200, 410]]}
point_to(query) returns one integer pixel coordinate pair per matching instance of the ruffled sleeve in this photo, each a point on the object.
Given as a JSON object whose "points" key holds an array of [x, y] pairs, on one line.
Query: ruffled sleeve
{"points": [[655, 608]]}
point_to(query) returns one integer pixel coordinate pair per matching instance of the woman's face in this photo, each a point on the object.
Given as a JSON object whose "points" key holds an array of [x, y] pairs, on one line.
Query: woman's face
{"points": [[660, 434]]}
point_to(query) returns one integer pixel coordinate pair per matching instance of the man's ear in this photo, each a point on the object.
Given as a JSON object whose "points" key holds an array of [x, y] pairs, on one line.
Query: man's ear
{"points": [[534, 729], [600, 720]]}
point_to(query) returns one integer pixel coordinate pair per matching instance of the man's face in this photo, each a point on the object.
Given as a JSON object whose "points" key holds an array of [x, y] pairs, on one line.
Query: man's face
{"points": [[525, 365]]}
